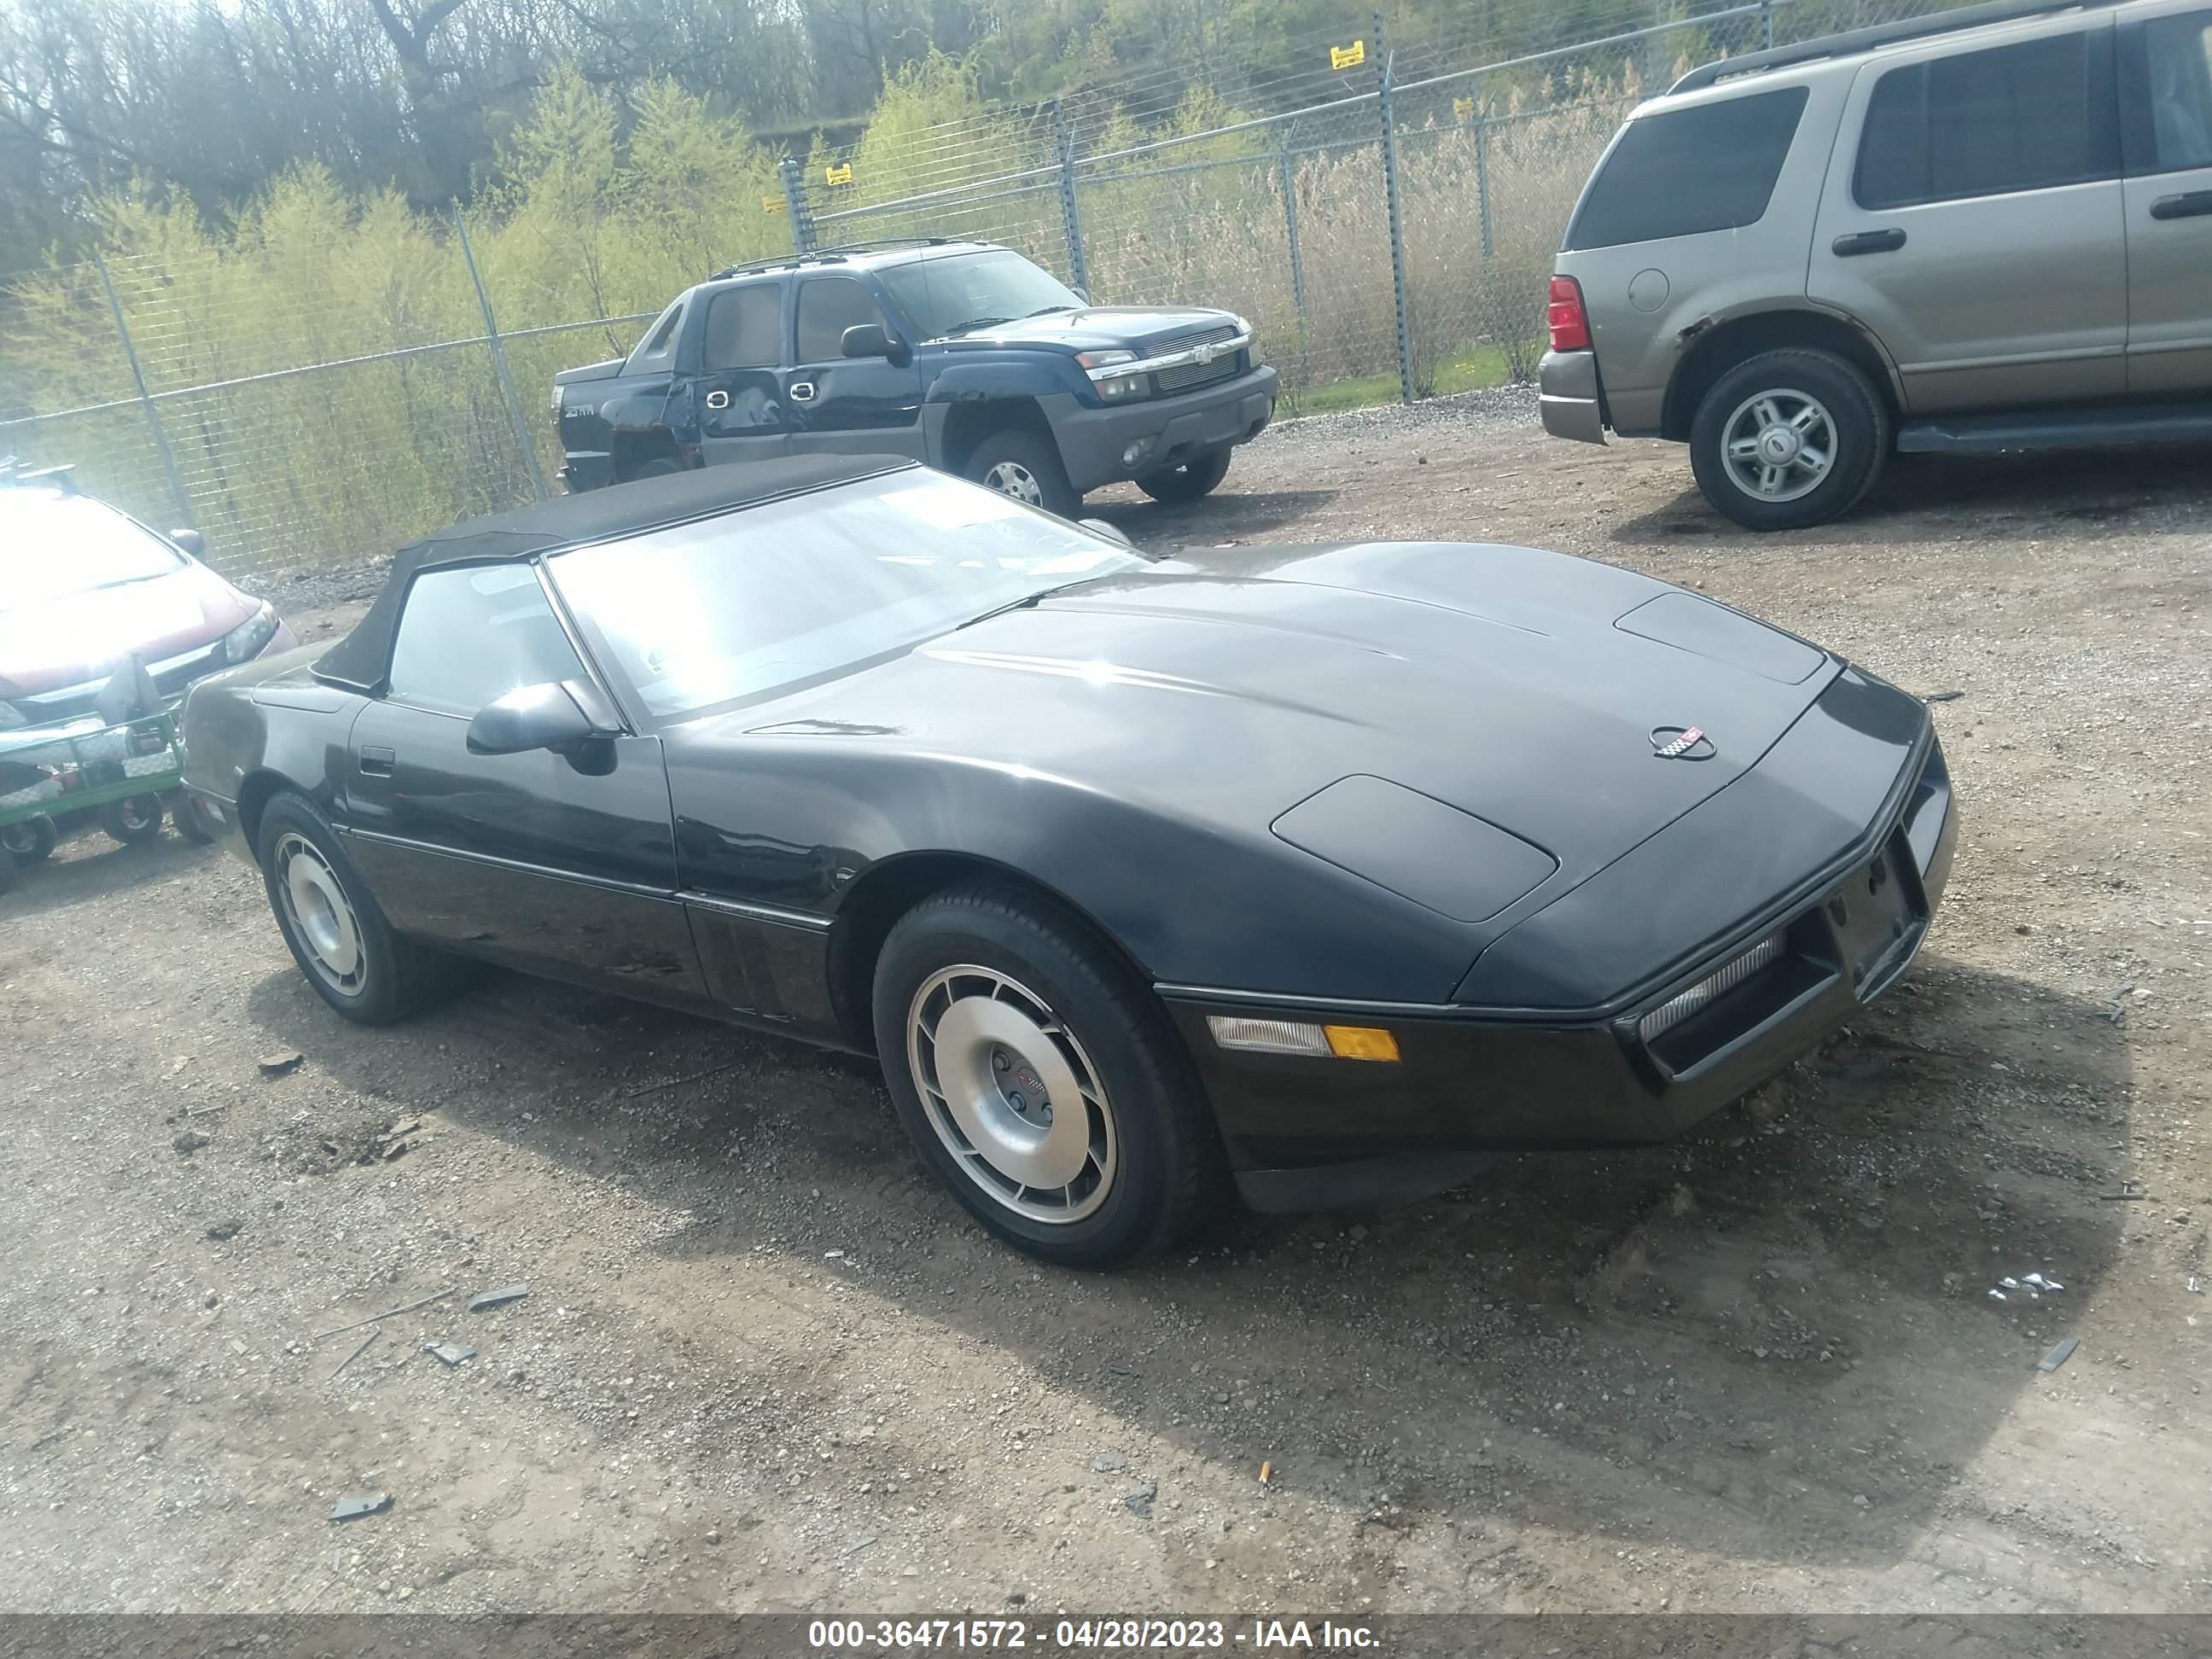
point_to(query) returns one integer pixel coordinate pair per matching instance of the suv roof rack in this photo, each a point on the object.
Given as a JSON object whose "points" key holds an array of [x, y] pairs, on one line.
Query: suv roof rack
{"points": [[829, 255], [1880, 34], [16, 472]]}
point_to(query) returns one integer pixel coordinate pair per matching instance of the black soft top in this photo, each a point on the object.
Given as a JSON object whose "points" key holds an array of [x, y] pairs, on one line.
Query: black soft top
{"points": [[360, 661]]}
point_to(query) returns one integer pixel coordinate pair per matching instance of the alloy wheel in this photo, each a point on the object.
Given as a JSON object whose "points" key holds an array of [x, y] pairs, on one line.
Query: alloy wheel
{"points": [[1012, 1095]]}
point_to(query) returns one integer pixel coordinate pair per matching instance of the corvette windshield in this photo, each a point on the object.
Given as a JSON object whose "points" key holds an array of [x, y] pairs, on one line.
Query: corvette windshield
{"points": [[702, 616]]}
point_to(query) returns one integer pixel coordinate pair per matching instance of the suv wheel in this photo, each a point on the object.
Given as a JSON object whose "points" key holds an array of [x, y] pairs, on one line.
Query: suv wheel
{"points": [[1789, 439], [1026, 466], [1188, 481]]}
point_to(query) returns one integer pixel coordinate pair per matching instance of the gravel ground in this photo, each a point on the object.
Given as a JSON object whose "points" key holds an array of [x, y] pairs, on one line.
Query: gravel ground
{"points": [[763, 1365]]}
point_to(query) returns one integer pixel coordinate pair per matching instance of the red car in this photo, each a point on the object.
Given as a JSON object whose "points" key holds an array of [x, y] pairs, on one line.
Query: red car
{"points": [[84, 588]]}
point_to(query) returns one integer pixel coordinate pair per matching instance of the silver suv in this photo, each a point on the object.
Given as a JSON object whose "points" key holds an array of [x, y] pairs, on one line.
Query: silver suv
{"points": [[1990, 229]]}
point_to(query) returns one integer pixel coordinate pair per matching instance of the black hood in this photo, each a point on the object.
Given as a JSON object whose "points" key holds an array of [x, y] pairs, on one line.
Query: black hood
{"points": [[1224, 689]]}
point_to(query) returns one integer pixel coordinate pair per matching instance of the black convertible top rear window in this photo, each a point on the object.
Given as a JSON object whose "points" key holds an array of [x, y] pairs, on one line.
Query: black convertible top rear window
{"points": [[1708, 167]]}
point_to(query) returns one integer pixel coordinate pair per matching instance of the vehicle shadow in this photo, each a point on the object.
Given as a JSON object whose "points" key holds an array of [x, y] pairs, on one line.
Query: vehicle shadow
{"points": [[1773, 1338], [91, 864], [1156, 525], [1934, 498]]}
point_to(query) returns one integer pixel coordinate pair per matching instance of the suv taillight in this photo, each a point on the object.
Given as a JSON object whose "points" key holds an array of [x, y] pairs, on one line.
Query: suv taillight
{"points": [[1569, 322]]}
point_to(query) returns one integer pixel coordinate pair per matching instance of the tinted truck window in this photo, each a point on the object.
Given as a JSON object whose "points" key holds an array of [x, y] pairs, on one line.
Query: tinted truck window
{"points": [[1991, 123], [1712, 167]]}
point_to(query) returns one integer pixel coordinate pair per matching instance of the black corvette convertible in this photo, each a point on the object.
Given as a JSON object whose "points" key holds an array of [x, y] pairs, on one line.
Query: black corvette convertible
{"points": [[1335, 871]]}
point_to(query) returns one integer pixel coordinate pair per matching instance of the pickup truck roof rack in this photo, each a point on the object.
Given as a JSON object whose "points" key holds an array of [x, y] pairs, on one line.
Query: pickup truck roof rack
{"points": [[1853, 41], [14, 471], [828, 256]]}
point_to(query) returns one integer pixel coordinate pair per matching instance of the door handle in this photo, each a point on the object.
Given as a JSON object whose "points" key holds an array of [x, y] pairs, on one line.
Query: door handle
{"points": [[375, 762], [718, 400], [1866, 241], [2189, 205], [802, 391]]}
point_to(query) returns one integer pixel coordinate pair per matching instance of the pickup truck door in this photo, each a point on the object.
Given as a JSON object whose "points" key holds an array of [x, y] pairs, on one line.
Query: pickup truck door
{"points": [[557, 866], [740, 386], [2165, 119], [850, 405]]}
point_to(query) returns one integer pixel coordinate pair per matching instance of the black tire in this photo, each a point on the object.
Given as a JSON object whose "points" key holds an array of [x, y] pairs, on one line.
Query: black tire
{"points": [[1189, 482], [660, 466], [133, 822], [189, 819], [1855, 414], [30, 841], [1025, 464], [395, 975], [1165, 1158]]}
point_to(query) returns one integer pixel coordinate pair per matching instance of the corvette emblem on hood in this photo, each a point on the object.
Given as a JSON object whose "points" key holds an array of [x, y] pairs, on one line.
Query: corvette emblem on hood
{"points": [[1681, 742]]}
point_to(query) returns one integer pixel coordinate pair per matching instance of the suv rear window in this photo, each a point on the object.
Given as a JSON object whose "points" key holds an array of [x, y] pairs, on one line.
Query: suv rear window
{"points": [[2027, 116], [1711, 167]]}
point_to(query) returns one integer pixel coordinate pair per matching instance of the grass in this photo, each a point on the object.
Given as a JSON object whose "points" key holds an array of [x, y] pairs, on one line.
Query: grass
{"points": [[1468, 371]]}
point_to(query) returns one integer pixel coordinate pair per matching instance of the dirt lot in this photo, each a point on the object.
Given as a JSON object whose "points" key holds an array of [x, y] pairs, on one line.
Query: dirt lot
{"points": [[762, 1365]]}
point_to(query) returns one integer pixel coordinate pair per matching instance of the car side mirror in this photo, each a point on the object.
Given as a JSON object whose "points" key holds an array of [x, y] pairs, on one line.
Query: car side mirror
{"points": [[871, 340], [192, 541], [1100, 527], [562, 715]]}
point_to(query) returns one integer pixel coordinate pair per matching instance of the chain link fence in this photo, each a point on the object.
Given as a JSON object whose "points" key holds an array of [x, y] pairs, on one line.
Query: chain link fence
{"points": [[1388, 231]]}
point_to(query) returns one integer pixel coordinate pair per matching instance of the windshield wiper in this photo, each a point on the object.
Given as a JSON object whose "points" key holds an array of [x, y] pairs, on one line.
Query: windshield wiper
{"points": [[1045, 310], [1022, 604], [977, 322]]}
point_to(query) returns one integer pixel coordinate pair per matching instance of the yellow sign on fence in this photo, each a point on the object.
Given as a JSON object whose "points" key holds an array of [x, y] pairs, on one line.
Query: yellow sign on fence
{"points": [[838, 175], [771, 204], [1351, 57], [1463, 108]]}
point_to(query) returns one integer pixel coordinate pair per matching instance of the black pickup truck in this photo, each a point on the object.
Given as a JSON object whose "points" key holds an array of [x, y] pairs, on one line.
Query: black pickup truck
{"points": [[961, 354]]}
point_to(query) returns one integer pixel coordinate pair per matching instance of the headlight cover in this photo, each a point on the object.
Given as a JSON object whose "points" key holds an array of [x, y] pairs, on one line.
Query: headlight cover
{"points": [[245, 641]]}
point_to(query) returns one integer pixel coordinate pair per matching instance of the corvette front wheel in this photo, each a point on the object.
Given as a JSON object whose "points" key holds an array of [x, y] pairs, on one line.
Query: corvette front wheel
{"points": [[1039, 1080]]}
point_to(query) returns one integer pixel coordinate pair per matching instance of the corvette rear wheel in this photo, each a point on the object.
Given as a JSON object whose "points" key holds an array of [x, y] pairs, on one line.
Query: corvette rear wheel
{"points": [[336, 933], [1040, 1081]]}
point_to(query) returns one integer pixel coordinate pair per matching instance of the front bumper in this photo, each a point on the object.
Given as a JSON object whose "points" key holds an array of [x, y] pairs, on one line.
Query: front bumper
{"points": [[1569, 396], [1174, 430], [1305, 1133]]}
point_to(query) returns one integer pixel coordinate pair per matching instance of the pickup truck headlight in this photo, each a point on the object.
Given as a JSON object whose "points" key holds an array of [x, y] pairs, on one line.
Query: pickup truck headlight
{"points": [[1114, 387], [1121, 387], [245, 641]]}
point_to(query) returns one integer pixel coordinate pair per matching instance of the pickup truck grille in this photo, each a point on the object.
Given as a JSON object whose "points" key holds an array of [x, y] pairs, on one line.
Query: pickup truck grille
{"points": [[1185, 342], [1191, 375]]}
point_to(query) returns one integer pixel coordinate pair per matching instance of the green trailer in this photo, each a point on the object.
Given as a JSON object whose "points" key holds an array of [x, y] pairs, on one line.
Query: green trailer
{"points": [[59, 777]]}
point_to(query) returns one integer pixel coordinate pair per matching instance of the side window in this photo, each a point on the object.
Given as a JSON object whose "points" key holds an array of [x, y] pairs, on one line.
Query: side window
{"points": [[828, 306], [745, 327], [2166, 94], [660, 339], [2029, 117], [1711, 166], [471, 636]]}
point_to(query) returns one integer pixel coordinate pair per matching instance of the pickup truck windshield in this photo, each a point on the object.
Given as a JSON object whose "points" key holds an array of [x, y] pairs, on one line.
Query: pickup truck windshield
{"points": [[53, 545], [961, 291], [702, 615]]}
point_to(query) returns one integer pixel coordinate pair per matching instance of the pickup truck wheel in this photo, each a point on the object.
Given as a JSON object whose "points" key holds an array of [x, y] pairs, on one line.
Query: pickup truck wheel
{"points": [[1025, 466], [1188, 481], [660, 466], [1789, 440]]}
